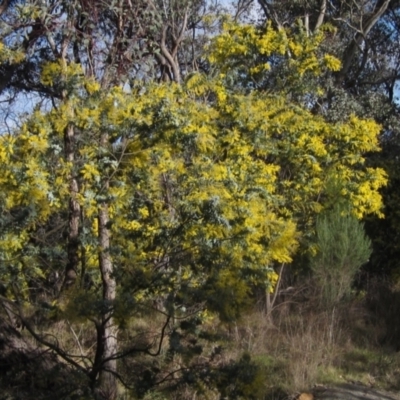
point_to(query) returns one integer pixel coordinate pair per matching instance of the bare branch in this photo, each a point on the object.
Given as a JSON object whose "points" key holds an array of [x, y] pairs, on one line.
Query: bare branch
{"points": [[84, 358], [321, 15], [168, 55], [365, 28], [270, 13], [69, 358]]}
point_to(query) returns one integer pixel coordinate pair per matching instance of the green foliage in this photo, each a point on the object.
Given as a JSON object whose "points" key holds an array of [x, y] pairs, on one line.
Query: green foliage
{"points": [[242, 379], [342, 248]]}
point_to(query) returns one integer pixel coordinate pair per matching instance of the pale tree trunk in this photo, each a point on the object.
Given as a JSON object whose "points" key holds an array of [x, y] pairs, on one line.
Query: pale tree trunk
{"points": [[107, 387], [168, 58], [107, 381]]}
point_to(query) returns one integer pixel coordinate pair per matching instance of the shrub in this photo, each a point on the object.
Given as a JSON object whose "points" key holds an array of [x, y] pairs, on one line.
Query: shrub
{"points": [[343, 248]]}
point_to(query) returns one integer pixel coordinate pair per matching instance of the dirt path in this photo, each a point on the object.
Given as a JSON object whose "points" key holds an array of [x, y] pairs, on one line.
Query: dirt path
{"points": [[348, 391]]}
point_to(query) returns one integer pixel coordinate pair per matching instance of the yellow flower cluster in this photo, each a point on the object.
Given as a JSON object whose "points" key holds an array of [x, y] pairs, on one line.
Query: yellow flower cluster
{"points": [[247, 46], [55, 71]]}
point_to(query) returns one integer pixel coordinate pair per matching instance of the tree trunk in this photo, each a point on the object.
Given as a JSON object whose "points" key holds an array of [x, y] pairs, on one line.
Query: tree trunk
{"points": [[74, 214], [107, 381], [270, 300]]}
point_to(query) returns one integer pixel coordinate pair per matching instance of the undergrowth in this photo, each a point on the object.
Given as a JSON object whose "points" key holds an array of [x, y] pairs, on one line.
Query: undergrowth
{"points": [[310, 346], [301, 343]]}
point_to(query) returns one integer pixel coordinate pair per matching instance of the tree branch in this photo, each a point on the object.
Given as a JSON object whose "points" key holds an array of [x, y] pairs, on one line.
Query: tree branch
{"points": [[351, 50], [270, 13], [168, 56], [321, 16], [4, 6], [64, 355]]}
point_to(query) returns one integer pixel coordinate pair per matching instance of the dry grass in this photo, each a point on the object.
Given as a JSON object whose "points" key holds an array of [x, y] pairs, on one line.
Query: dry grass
{"points": [[292, 351], [309, 346]]}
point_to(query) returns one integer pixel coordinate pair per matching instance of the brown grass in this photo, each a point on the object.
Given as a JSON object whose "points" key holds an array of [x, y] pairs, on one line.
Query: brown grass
{"points": [[307, 345]]}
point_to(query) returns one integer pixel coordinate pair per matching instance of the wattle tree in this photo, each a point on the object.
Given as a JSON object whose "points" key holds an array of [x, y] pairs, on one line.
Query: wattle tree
{"points": [[169, 201]]}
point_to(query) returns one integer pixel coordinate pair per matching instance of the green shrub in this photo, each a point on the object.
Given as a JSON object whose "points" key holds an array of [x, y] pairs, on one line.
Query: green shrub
{"points": [[343, 248]]}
